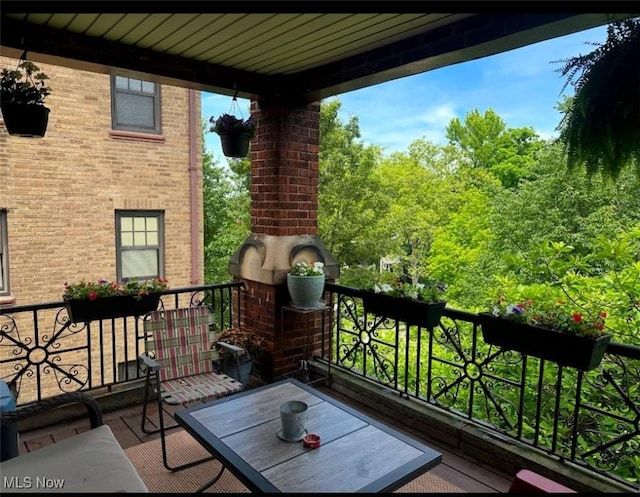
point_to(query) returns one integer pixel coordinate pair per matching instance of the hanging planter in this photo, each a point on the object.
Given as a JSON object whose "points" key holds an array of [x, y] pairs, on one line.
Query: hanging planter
{"points": [[22, 101], [235, 143], [235, 132]]}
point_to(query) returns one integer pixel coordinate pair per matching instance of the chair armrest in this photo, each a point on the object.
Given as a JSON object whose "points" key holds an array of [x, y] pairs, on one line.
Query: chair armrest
{"points": [[233, 349], [26, 411], [148, 361]]}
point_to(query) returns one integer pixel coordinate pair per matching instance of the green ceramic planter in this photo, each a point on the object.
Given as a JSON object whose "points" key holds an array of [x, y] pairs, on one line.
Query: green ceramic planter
{"points": [[305, 291]]}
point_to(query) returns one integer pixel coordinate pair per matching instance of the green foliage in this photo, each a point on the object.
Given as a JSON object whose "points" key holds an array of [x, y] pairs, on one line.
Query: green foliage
{"points": [[33, 90], [92, 290], [601, 129], [349, 199], [486, 143], [226, 205]]}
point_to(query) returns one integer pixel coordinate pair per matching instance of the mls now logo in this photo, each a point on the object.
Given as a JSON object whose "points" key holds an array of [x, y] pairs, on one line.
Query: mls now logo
{"points": [[17, 482]]}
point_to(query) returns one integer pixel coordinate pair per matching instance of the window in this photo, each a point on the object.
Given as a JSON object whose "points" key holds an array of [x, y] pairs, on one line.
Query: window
{"points": [[135, 105], [139, 244], [4, 254]]}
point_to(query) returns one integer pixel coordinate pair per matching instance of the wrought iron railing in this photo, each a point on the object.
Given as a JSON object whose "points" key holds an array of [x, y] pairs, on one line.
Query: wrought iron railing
{"points": [[591, 418], [42, 353]]}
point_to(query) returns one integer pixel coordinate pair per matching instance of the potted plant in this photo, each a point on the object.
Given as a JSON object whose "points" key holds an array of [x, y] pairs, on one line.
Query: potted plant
{"points": [[549, 331], [22, 94], [235, 133], [88, 300], [305, 282], [416, 300], [252, 345], [600, 127]]}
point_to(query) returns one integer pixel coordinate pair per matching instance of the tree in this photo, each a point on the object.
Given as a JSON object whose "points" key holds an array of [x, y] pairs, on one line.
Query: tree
{"points": [[485, 142], [349, 201], [226, 206]]}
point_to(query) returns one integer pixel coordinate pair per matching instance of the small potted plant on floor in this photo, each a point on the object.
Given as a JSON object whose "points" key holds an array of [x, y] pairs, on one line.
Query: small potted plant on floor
{"points": [[93, 300], [305, 282], [252, 345], [22, 95], [235, 134]]}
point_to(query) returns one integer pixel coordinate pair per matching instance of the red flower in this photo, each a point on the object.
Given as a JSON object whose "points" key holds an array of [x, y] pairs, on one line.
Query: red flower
{"points": [[577, 317], [93, 295]]}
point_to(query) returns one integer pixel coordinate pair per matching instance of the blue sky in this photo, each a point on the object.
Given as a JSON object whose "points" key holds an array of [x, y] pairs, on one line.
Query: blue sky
{"points": [[521, 86]]}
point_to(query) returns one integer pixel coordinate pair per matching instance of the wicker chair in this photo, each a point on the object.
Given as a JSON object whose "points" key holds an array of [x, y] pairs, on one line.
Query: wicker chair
{"points": [[89, 462], [179, 362]]}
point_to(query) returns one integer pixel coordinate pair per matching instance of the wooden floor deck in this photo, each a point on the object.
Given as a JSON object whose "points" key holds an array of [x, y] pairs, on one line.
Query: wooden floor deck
{"points": [[468, 474]]}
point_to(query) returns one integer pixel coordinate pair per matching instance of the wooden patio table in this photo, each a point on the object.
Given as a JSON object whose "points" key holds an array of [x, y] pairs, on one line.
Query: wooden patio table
{"points": [[357, 453]]}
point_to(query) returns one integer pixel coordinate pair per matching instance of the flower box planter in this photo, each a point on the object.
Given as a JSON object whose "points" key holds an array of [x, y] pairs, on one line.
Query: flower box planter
{"points": [[82, 310], [565, 349], [412, 312]]}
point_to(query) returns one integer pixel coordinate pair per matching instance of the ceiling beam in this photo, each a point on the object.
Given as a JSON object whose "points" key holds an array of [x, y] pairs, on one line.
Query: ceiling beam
{"points": [[464, 40], [97, 55]]}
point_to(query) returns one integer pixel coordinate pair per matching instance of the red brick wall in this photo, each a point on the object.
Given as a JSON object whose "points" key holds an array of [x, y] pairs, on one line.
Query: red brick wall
{"points": [[284, 169]]}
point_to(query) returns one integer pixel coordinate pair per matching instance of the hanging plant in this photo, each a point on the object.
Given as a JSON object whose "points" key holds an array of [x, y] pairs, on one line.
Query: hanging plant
{"points": [[235, 133], [601, 128], [22, 95]]}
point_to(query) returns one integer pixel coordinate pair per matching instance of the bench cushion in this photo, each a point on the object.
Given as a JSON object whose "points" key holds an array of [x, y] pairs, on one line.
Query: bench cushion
{"points": [[90, 462]]}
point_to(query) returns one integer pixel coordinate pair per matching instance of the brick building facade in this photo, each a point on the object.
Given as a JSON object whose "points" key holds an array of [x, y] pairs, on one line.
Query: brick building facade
{"points": [[60, 194]]}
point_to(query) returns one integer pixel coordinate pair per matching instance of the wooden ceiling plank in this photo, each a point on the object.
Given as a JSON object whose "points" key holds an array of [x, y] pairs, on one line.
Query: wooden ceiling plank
{"points": [[164, 30], [127, 24], [347, 45], [351, 45], [262, 35], [205, 28], [207, 36], [192, 32], [283, 42], [312, 43], [61, 21], [150, 23], [81, 23], [103, 24], [39, 18]]}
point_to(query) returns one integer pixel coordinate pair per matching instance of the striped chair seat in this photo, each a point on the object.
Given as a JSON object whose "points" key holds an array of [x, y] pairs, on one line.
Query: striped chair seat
{"points": [[198, 387]]}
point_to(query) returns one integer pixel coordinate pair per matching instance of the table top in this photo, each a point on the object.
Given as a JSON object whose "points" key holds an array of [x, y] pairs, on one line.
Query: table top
{"points": [[357, 453]]}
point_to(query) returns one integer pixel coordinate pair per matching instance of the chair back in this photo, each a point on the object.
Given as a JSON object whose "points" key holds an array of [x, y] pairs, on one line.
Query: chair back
{"points": [[180, 340]]}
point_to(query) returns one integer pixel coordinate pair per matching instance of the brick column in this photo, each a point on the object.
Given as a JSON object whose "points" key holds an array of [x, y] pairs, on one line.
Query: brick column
{"points": [[284, 208]]}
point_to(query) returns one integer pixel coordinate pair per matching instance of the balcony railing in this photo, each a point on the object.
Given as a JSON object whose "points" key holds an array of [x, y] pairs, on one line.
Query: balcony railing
{"points": [[42, 353], [591, 418]]}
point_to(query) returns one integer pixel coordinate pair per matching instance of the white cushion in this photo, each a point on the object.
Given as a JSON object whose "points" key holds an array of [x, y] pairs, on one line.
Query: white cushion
{"points": [[92, 461]]}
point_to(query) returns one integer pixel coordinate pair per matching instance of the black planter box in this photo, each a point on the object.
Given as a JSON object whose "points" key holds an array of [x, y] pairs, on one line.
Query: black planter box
{"points": [[564, 349], [84, 310], [412, 312]]}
